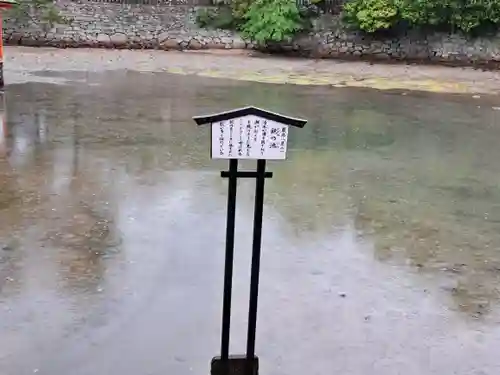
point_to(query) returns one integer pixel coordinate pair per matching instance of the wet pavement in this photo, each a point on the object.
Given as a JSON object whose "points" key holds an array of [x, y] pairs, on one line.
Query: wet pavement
{"points": [[381, 248], [249, 66]]}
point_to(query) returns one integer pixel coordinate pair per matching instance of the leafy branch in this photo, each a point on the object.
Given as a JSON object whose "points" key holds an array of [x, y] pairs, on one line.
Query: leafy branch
{"points": [[467, 16], [272, 21], [41, 13]]}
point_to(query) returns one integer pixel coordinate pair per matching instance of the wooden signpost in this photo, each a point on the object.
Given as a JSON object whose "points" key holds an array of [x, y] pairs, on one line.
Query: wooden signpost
{"points": [[256, 134]]}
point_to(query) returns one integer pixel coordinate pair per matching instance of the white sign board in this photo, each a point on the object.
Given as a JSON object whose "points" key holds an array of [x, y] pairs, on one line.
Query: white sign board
{"points": [[249, 137], [249, 133]]}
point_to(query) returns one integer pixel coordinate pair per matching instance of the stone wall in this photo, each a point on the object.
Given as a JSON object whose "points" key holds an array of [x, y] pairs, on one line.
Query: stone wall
{"points": [[333, 39], [98, 24]]}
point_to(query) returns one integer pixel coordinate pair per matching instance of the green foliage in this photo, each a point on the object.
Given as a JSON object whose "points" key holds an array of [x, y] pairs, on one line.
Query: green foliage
{"points": [[454, 15], [240, 8], [216, 18], [43, 13], [371, 15], [272, 21], [262, 21]]}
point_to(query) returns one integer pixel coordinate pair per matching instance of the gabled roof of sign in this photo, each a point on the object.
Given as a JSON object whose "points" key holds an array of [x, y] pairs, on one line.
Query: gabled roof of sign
{"points": [[251, 110]]}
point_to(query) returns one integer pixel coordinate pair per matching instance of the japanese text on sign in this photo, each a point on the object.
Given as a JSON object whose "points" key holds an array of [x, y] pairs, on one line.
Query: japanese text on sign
{"points": [[249, 137]]}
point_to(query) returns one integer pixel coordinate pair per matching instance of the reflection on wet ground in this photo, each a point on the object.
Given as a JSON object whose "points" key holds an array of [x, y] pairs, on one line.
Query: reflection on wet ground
{"points": [[381, 241]]}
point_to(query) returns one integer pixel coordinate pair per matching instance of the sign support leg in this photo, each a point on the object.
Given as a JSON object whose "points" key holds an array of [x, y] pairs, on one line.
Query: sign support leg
{"points": [[2, 83], [228, 266], [255, 270]]}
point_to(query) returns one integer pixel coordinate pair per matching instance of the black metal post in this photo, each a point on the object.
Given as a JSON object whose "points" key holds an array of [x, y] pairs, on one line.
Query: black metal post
{"points": [[228, 266], [255, 270], [2, 83]]}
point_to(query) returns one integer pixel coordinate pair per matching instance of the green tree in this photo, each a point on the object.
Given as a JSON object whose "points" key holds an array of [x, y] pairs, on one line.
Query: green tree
{"points": [[272, 21], [41, 13], [371, 15], [240, 8], [468, 16]]}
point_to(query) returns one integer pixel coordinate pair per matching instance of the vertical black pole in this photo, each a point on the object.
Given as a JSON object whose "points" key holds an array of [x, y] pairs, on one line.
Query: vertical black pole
{"points": [[2, 83], [228, 267], [254, 278]]}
